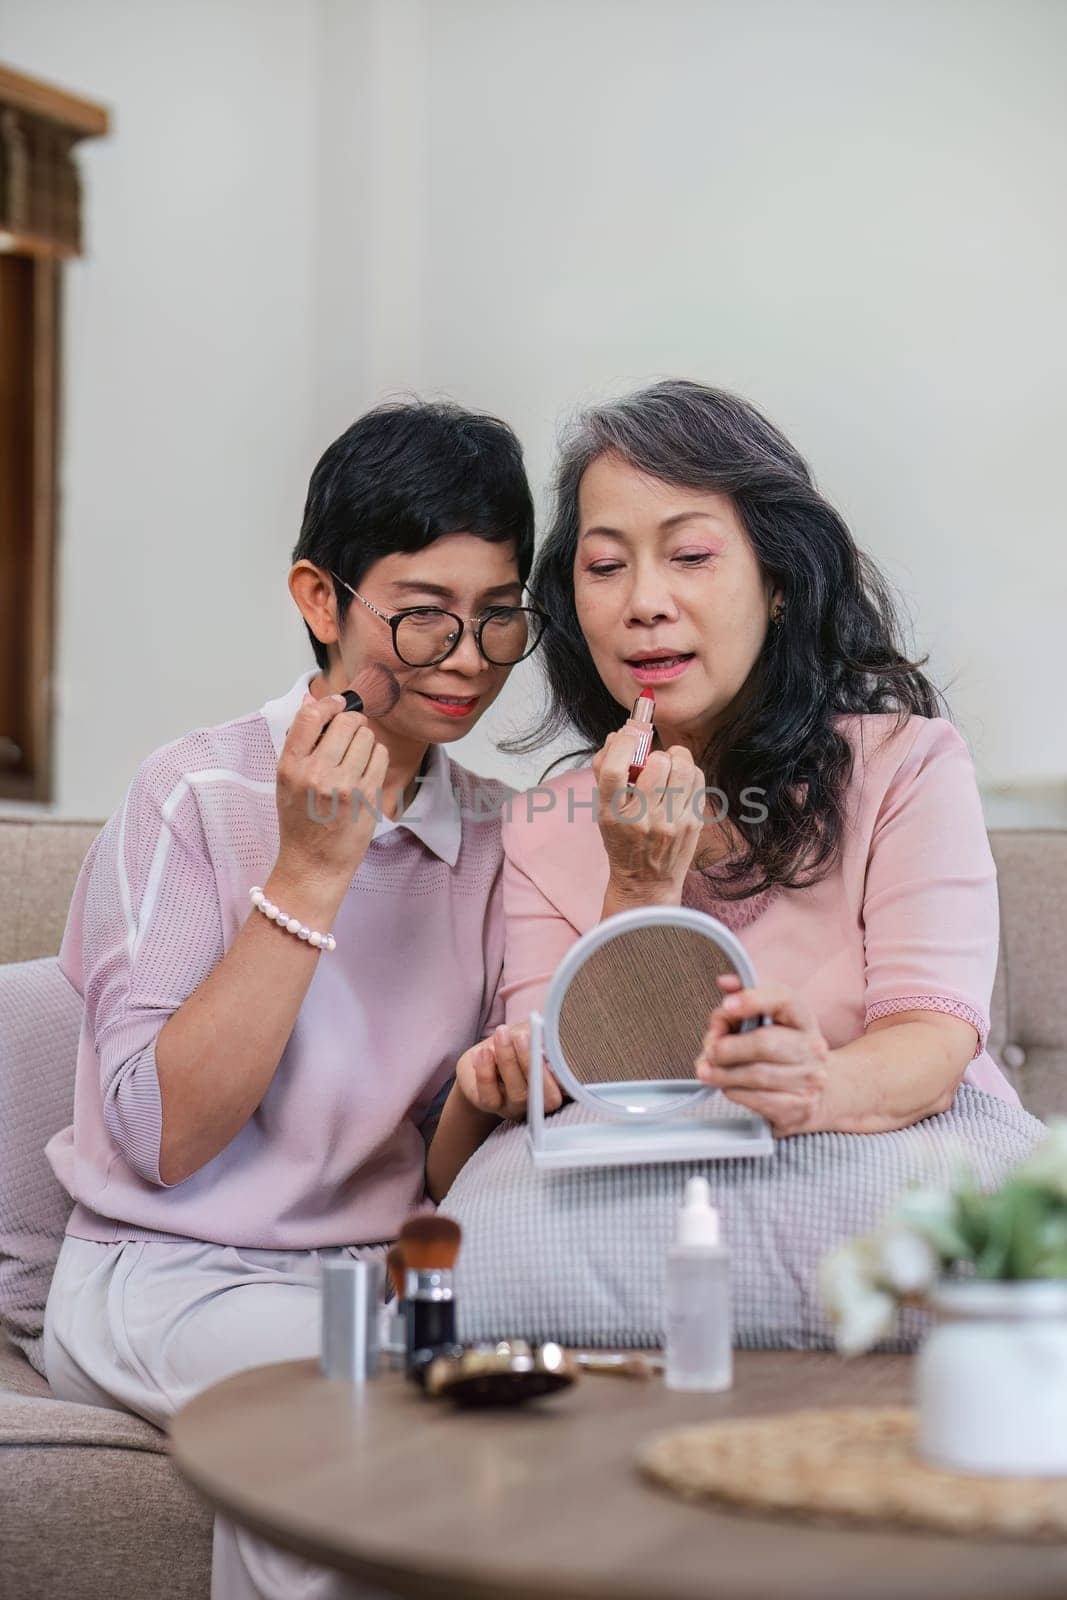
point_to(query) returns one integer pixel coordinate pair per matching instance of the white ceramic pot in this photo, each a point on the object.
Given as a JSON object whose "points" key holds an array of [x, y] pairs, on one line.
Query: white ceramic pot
{"points": [[992, 1378]]}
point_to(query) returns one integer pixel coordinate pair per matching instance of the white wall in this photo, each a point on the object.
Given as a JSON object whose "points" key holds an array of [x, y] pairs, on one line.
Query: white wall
{"points": [[848, 212], [851, 213], [188, 369]]}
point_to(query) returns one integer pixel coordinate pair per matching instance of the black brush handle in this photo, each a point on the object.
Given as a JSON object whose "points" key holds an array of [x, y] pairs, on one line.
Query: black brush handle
{"points": [[353, 702], [430, 1324]]}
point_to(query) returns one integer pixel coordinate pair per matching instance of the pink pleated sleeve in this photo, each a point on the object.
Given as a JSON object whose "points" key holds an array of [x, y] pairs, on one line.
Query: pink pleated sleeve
{"points": [[538, 937], [930, 910]]}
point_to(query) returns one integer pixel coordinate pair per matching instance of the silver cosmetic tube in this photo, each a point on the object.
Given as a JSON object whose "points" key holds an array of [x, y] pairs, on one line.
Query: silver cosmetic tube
{"points": [[351, 1295]]}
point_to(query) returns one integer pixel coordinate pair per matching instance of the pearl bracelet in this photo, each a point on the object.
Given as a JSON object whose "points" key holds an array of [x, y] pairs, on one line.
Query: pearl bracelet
{"points": [[321, 941]]}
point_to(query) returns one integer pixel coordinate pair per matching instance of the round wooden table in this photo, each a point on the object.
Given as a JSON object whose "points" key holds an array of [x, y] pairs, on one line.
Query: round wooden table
{"points": [[424, 1500]]}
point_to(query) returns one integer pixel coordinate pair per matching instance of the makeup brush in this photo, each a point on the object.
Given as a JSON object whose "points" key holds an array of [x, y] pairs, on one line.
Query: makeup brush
{"points": [[430, 1245], [374, 691], [396, 1266], [621, 1366], [393, 1333]]}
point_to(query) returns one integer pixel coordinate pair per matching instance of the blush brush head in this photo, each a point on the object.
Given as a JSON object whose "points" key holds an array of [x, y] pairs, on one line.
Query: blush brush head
{"points": [[374, 691], [430, 1243], [396, 1266]]}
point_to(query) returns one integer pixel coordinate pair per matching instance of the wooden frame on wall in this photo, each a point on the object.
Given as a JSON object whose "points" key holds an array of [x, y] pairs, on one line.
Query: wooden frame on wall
{"points": [[40, 226]]}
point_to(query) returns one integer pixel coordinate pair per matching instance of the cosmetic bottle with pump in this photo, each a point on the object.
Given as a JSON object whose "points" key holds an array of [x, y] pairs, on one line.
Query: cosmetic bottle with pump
{"points": [[698, 1309]]}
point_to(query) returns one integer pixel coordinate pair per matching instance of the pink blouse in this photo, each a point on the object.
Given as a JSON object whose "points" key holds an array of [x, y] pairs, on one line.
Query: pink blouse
{"points": [[908, 918]]}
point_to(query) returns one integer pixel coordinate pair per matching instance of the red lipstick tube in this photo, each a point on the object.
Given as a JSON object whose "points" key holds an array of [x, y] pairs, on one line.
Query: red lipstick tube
{"points": [[640, 722]]}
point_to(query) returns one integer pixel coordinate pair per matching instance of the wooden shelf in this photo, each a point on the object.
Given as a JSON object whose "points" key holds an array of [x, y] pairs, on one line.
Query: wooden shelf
{"points": [[84, 118], [40, 227], [31, 244]]}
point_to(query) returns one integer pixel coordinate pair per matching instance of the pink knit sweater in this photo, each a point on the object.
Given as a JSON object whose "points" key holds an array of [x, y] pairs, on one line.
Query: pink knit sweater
{"points": [[334, 1154]]}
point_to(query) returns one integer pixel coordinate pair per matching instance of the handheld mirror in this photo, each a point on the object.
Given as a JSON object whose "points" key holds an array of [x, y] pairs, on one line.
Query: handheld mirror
{"points": [[623, 1022]]}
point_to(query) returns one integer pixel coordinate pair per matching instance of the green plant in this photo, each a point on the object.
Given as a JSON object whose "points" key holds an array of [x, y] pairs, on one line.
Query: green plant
{"points": [[1018, 1231]]}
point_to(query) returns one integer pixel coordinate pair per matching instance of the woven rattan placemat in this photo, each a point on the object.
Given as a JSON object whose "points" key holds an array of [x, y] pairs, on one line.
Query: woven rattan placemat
{"points": [[857, 1464]]}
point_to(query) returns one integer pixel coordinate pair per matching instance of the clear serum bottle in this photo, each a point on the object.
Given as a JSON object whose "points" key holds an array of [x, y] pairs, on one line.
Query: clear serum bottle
{"points": [[698, 1310]]}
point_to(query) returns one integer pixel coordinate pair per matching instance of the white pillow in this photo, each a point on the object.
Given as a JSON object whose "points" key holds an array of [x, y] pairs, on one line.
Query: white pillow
{"points": [[579, 1256]]}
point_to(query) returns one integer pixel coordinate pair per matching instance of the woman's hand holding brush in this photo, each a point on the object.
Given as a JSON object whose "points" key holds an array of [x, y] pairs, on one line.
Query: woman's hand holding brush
{"points": [[330, 782]]}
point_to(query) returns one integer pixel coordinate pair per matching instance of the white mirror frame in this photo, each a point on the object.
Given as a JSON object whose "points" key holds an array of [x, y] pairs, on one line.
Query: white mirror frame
{"points": [[689, 1092]]}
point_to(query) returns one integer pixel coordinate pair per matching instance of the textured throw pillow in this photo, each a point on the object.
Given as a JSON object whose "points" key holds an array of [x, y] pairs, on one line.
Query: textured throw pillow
{"points": [[40, 1018], [579, 1256]]}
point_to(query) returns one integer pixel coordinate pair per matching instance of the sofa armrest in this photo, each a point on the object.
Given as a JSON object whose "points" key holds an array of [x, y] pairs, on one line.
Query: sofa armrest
{"points": [[30, 1420], [17, 1375]]}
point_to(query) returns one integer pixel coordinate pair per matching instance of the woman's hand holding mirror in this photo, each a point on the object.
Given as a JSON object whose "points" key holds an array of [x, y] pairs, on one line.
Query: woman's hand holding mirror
{"points": [[780, 1071]]}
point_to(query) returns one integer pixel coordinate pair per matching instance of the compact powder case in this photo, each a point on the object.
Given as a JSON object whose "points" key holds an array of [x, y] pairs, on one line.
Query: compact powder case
{"points": [[504, 1374]]}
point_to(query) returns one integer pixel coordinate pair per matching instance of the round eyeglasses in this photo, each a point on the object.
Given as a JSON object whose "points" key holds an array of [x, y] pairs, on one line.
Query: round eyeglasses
{"points": [[426, 635]]}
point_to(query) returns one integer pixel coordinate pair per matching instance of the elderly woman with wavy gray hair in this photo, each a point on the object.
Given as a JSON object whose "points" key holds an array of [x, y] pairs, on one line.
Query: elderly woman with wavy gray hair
{"points": [[690, 549]]}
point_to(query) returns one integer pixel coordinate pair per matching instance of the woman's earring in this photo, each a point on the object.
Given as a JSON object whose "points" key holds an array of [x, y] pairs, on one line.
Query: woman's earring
{"points": [[777, 614]]}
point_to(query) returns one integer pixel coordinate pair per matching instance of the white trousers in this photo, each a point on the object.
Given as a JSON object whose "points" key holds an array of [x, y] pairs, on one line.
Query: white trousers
{"points": [[143, 1327]]}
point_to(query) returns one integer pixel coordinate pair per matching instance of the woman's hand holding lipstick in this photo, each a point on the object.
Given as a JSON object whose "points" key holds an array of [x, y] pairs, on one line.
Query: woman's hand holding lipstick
{"points": [[494, 1074], [650, 828], [780, 1071]]}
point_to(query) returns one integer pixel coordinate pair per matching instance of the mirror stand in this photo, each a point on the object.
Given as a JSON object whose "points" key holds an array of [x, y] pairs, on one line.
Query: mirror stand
{"points": [[701, 1134]]}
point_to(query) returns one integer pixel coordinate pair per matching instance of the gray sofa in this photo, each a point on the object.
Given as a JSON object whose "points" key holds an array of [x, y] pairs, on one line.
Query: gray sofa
{"points": [[91, 1506], [90, 1503]]}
